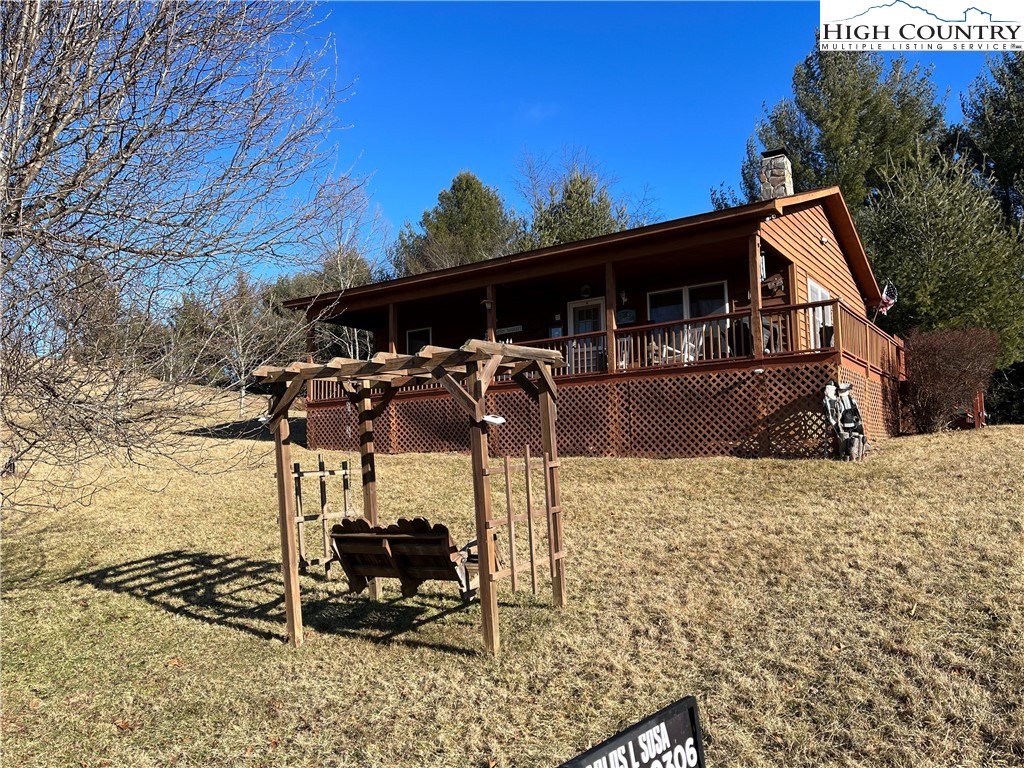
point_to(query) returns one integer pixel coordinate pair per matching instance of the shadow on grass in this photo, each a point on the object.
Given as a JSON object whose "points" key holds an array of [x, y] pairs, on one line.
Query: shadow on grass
{"points": [[250, 429], [246, 595]]}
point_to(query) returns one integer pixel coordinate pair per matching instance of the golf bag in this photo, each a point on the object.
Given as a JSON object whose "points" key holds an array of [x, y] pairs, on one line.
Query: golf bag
{"points": [[844, 417]]}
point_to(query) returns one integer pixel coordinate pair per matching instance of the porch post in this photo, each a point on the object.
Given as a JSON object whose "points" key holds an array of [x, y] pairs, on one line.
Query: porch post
{"points": [[392, 328], [368, 465], [610, 295], [756, 331], [286, 522], [310, 339], [492, 313]]}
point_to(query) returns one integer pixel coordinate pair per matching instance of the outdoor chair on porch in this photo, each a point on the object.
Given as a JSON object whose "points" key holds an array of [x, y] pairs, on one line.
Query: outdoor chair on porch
{"points": [[678, 348]]}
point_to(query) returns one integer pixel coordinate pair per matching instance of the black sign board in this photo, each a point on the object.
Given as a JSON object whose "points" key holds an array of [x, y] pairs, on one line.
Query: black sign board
{"points": [[670, 738]]}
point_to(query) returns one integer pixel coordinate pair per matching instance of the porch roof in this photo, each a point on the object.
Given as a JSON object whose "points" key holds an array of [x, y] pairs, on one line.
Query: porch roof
{"points": [[596, 249]]}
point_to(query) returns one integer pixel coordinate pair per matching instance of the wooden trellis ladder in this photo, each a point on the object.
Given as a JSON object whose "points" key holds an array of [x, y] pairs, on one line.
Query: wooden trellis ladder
{"points": [[551, 512], [325, 515]]}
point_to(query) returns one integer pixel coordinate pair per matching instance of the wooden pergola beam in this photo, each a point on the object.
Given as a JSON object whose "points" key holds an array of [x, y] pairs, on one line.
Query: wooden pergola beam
{"points": [[514, 351]]}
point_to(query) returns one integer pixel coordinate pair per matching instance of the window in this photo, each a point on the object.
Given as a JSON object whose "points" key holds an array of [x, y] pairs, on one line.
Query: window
{"points": [[691, 301], [815, 292], [666, 306], [416, 339], [707, 300]]}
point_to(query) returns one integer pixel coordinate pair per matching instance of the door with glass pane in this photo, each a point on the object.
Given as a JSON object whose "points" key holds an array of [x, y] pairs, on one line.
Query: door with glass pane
{"points": [[668, 344], [586, 355], [821, 329], [709, 339]]}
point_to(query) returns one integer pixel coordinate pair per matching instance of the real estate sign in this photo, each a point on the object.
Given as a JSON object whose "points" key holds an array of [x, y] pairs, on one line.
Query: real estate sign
{"points": [[670, 738], [921, 25]]}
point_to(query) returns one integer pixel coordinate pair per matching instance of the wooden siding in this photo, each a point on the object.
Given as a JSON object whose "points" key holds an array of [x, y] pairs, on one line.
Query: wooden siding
{"points": [[798, 236]]}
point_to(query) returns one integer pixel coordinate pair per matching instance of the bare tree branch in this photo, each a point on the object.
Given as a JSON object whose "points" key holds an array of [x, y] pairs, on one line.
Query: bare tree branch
{"points": [[148, 151]]}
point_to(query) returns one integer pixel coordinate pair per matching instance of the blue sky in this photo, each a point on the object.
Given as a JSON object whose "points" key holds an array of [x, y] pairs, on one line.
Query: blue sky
{"points": [[661, 94]]}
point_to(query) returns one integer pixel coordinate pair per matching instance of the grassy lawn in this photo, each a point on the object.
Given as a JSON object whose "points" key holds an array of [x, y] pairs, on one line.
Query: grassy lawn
{"points": [[822, 613]]}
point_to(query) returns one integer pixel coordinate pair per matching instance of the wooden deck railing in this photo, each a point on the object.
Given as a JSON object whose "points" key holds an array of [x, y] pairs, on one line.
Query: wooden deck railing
{"points": [[679, 342], [324, 389], [867, 344], [583, 353], [799, 329], [789, 331]]}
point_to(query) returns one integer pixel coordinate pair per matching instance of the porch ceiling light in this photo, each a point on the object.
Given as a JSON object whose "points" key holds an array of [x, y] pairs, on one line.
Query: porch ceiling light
{"points": [[494, 419]]}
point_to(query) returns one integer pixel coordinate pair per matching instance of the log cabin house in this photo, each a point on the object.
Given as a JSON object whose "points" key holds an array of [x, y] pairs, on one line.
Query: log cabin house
{"points": [[712, 334]]}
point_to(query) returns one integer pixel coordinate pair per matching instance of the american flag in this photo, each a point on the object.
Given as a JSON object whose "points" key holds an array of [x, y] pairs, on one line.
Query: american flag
{"points": [[889, 297]]}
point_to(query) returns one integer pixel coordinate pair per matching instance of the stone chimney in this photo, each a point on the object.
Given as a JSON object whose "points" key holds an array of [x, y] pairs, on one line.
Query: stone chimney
{"points": [[776, 174]]}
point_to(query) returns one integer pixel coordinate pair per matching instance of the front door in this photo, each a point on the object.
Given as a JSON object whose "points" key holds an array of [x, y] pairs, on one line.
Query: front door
{"points": [[586, 355], [821, 329]]}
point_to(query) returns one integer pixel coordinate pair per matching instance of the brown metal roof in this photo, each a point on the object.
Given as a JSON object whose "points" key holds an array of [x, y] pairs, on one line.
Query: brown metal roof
{"points": [[482, 272]]}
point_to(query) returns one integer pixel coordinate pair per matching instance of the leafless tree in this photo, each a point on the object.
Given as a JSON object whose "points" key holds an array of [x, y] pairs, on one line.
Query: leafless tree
{"points": [[350, 242], [146, 149], [574, 197], [245, 333]]}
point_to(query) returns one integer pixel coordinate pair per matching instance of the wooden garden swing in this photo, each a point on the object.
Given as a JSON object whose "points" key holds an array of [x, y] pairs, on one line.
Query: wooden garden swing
{"points": [[466, 373]]}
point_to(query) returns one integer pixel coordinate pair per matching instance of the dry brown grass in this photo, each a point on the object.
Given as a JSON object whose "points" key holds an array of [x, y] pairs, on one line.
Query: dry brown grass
{"points": [[822, 613]]}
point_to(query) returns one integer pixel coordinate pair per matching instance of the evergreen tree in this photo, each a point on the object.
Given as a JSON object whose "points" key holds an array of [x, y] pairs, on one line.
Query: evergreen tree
{"points": [[470, 223], [848, 118], [935, 229], [579, 205], [994, 108], [191, 354]]}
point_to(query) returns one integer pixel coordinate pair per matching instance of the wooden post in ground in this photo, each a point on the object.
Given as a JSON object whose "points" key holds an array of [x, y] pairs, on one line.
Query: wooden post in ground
{"points": [[549, 444], [325, 526], [286, 521], [511, 527], [369, 468], [484, 532], [300, 524], [756, 329]]}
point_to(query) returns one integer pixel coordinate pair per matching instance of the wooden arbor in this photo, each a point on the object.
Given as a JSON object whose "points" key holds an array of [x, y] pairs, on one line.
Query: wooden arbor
{"points": [[466, 373]]}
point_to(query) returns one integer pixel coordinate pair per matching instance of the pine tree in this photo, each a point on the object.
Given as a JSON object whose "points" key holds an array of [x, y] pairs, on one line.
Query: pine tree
{"points": [[848, 119], [935, 229], [994, 108], [470, 223], [576, 207]]}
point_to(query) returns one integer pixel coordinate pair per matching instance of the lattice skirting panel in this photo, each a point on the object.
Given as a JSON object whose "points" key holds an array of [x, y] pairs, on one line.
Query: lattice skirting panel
{"points": [[332, 428], [713, 413], [878, 401]]}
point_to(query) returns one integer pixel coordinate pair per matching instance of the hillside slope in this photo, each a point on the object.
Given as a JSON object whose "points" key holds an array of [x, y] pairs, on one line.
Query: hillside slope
{"points": [[822, 613]]}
